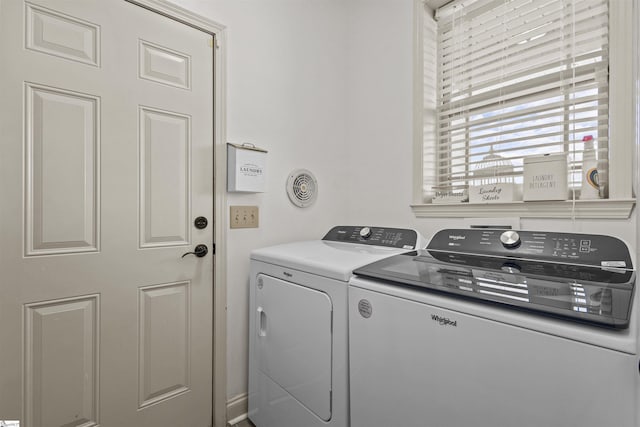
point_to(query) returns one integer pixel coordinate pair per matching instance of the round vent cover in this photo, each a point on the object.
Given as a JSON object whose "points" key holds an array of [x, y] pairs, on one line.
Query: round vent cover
{"points": [[302, 188]]}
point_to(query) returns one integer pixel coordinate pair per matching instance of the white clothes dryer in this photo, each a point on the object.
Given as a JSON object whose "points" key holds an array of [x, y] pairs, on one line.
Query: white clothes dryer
{"points": [[298, 359], [494, 328]]}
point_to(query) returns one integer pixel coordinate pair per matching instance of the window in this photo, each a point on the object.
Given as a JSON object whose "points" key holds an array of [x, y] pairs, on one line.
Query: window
{"points": [[507, 79]]}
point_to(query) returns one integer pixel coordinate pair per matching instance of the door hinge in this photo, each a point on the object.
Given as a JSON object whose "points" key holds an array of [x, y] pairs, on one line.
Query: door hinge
{"points": [[213, 249]]}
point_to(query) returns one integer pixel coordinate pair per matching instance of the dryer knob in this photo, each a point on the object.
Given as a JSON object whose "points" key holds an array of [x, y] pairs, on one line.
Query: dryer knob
{"points": [[510, 239], [365, 232]]}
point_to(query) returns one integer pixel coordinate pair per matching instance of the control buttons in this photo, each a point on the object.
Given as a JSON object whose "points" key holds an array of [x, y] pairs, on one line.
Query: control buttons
{"points": [[365, 232], [585, 246], [510, 239]]}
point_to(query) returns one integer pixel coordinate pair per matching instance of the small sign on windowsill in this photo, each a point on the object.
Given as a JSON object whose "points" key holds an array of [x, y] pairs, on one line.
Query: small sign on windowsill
{"points": [[246, 168], [450, 196], [545, 177], [502, 192]]}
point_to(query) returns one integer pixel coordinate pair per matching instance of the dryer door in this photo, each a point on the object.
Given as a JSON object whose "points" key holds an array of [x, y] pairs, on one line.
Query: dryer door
{"points": [[294, 339]]}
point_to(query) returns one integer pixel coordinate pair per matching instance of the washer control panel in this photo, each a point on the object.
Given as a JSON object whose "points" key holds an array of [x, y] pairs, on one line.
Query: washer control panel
{"points": [[589, 249], [379, 236]]}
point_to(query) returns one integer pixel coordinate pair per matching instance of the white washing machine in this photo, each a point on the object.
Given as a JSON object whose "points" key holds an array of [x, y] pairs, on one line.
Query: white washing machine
{"points": [[488, 328], [298, 361]]}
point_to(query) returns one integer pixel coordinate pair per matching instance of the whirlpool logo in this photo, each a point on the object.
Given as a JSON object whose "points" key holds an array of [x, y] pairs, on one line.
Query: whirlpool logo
{"points": [[444, 321]]}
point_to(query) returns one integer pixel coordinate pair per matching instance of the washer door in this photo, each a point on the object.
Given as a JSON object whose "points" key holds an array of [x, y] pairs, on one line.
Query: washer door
{"points": [[294, 341]]}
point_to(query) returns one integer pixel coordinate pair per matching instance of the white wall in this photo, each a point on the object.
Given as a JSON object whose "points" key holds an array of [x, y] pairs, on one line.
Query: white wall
{"points": [[380, 126], [285, 76], [325, 85]]}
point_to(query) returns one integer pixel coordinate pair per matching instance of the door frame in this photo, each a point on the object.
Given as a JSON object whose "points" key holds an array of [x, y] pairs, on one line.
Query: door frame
{"points": [[218, 31]]}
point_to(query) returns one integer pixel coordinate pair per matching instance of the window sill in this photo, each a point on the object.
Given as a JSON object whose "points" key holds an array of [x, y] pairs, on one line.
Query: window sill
{"points": [[584, 209]]}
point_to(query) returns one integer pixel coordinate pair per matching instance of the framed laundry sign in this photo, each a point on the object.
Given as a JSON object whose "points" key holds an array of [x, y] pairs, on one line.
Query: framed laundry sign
{"points": [[246, 168]]}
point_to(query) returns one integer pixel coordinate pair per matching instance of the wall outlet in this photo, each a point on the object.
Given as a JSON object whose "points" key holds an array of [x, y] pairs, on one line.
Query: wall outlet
{"points": [[244, 216]]}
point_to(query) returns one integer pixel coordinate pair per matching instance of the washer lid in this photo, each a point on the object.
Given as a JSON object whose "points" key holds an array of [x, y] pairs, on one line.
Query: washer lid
{"points": [[596, 295], [335, 260]]}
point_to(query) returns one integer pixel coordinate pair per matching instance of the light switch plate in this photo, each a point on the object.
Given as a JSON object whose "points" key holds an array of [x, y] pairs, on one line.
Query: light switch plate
{"points": [[244, 216]]}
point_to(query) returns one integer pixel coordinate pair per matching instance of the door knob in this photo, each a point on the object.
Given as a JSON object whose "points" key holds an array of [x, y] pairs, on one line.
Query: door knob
{"points": [[199, 251]]}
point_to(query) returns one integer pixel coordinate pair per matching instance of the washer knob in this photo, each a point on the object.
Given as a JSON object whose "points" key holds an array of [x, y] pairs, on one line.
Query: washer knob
{"points": [[365, 232], [510, 239]]}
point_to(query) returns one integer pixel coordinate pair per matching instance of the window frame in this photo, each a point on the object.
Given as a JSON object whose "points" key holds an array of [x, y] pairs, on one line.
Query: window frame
{"points": [[621, 200]]}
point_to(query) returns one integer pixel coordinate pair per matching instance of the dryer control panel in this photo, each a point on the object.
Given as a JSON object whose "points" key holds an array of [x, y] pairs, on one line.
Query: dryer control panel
{"points": [[402, 238]]}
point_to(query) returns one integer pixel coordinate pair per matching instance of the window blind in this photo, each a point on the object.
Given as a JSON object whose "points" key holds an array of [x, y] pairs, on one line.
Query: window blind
{"points": [[518, 78]]}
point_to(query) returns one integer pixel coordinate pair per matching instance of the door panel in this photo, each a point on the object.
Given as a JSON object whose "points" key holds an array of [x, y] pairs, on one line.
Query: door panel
{"points": [[163, 65], [62, 35], [164, 342], [107, 157], [69, 328], [165, 168], [62, 187]]}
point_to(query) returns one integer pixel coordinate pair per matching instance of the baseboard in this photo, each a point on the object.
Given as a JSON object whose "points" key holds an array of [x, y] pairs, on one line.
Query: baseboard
{"points": [[237, 408]]}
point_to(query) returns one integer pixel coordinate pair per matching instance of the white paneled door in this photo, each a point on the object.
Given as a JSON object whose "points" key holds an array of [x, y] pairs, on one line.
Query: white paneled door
{"points": [[106, 159]]}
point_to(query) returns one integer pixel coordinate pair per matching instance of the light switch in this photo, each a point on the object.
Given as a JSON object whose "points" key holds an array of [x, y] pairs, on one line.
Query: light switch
{"points": [[244, 216]]}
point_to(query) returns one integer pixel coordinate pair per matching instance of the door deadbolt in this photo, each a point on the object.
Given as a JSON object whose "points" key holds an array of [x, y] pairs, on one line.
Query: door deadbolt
{"points": [[200, 222], [199, 251]]}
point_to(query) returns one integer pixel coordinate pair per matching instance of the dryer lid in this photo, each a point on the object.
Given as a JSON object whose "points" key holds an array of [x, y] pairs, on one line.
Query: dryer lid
{"points": [[343, 249], [335, 260]]}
